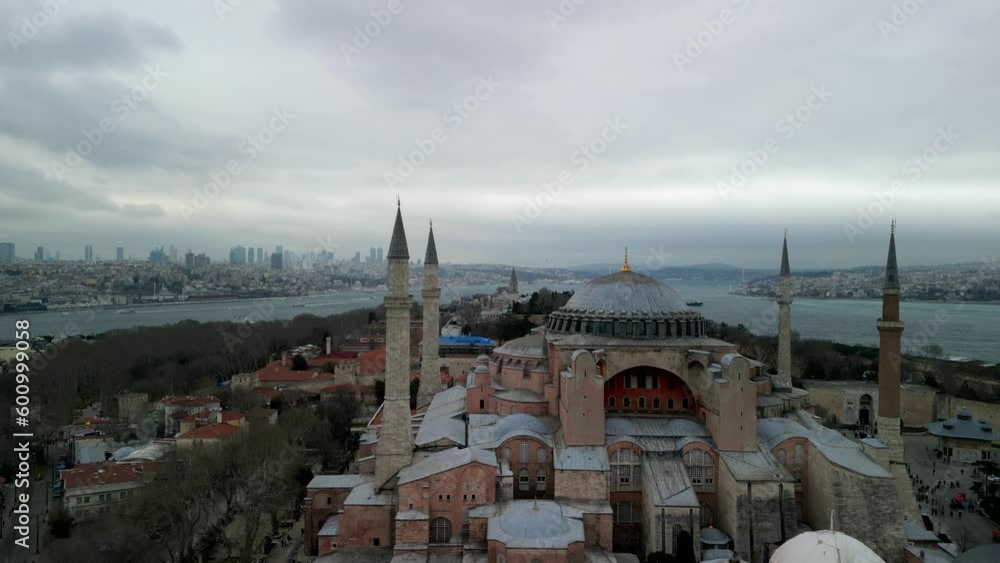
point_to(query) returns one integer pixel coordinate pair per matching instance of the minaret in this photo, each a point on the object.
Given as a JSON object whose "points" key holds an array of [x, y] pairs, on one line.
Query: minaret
{"points": [[890, 332], [430, 364], [784, 301], [395, 438], [512, 287]]}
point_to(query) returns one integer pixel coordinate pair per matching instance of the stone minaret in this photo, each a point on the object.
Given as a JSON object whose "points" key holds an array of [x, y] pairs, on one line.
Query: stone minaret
{"points": [[784, 301], [890, 332], [430, 364], [395, 438]]}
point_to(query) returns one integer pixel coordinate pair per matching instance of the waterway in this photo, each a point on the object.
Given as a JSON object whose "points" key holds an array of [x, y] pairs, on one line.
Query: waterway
{"points": [[966, 331]]}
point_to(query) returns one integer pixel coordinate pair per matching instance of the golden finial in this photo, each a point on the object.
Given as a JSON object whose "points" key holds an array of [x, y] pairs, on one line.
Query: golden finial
{"points": [[625, 266]]}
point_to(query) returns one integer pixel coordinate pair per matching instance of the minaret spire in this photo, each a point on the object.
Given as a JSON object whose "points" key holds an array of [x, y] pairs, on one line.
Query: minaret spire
{"points": [[394, 449], [430, 362], [625, 266], [784, 301]]}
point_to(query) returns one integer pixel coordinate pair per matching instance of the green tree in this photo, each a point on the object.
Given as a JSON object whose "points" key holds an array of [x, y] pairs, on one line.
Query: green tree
{"points": [[299, 363]]}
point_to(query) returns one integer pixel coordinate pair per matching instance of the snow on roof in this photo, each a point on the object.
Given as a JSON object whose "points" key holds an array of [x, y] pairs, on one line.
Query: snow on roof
{"points": [[669, 477], [534, 524], [446, 460], [338, 481], [581, 458]]}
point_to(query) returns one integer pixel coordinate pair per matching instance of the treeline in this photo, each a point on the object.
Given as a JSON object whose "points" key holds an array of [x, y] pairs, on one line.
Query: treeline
{"points": [[542, 302], [177, 359], [180, 514]]}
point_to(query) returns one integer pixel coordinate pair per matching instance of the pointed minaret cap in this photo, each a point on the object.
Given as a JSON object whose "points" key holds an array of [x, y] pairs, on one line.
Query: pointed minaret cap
{"points": [[785, 270], [397, 247], [891, 268], [432, 254], [625, 266]]}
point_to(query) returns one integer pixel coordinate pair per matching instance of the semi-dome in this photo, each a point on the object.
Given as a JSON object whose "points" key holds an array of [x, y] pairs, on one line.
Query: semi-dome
{"points": [[627, 305], [824, 547]]}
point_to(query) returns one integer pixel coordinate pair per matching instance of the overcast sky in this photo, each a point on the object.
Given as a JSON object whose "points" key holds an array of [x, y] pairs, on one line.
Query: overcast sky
{"points": [[680, 91]]}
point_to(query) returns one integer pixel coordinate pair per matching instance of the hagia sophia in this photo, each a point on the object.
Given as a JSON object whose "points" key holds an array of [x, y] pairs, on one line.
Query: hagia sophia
{"points": [[618, 429]]}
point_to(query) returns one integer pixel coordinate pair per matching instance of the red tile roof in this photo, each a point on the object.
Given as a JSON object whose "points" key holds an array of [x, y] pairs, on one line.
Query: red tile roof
{"points": [[267, 392], [188, 401], [209, 432], [334, 357], [372, 363], [96, 474], [277, 373], [261, 413]]}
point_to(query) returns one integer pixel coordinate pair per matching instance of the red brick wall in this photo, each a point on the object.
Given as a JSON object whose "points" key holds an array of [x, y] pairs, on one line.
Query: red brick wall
{"points": [[361, 525]]}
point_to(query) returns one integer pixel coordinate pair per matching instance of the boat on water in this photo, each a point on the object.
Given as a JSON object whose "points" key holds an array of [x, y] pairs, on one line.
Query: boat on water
{"points": [[695, 303]]}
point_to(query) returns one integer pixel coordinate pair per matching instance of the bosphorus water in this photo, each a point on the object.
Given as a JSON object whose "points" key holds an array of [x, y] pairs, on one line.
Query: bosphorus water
{"points": [[968, 331]]}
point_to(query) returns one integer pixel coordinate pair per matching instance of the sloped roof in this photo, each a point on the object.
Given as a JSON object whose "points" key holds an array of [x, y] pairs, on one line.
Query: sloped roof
{"points": [[99, 474], [216, 431], [671, 485], [758, 465], [581, 458], [338, 481], [665, 427], [443, 421], [439, 462]]}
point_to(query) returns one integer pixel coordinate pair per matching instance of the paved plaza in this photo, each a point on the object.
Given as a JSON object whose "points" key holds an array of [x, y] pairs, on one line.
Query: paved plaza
{"points": [[919, 451]]}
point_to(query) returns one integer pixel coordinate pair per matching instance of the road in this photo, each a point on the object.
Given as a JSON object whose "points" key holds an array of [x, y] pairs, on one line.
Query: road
{"points": [[11, 553]]}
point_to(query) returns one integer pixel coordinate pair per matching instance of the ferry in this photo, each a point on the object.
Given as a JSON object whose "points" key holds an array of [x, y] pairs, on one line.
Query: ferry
{"points": [[695, 303]]}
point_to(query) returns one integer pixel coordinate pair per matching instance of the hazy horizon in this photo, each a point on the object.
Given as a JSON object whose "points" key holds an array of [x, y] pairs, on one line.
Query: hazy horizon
{"points": [[117, 120]]}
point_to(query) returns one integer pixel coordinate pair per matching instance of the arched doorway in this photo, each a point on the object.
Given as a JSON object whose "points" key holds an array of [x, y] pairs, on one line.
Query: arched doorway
{"points": [[648, 390], [865, 412]]}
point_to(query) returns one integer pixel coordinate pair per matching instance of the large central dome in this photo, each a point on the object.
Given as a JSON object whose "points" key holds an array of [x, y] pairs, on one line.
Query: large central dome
{"points": [[625, 293], [627, 305]]}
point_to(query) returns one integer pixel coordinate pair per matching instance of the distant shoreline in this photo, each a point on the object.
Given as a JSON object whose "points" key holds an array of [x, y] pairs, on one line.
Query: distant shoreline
{"points": [[797, 298]]}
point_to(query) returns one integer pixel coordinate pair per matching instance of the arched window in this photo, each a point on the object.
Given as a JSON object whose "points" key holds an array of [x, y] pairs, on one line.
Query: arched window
{"points": [[625, 513], [656, 402], [670, 404], [642, 402], [800, 455], [506, 454], [482, 404], [676, 535], [526, 374], [626, 403], [782, 456], [540, 480], [523, 480], [684, 403], [612, 403], [701, 470], [625, 470], [440, 530], [541, 456]]}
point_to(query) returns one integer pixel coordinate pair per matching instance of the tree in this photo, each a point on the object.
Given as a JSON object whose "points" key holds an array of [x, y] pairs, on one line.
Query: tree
{"points": [[299, 363], [60, 522]]}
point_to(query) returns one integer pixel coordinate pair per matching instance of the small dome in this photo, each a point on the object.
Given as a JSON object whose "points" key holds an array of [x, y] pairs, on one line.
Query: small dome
{"points": [[483, 359], [538, 524], [824, 547], [482, 369]]}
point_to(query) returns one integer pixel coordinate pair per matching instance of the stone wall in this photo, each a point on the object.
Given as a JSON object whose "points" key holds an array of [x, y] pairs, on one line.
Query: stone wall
{"points": [[948, 406], [842, 399], [865, 508], [758, 508], [581, 485]]}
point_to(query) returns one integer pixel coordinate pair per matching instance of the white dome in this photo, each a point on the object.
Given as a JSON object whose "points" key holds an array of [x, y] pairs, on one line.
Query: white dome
{"points": [[824, 547]]}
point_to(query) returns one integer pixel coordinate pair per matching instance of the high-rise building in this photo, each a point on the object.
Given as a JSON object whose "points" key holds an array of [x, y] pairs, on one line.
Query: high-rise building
{"points": [[379, 255], [250, 255], [88, 253], [276, 261], [238, 255], [189, 260], [58, 256], [6, 252], [173, 254], [279, 249], [120, 254], [371, 255], [356, 262], [260, 254], [40, 254], [202, 261]]}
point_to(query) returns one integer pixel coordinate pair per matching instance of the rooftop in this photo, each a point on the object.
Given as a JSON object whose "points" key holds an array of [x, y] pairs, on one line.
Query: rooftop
{"points": [[446, 460], [965, 427], [534, 524], [338, 481], [99, 474]]}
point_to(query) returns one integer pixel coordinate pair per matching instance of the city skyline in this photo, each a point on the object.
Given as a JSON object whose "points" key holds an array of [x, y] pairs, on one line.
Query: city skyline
{"points": [[639, 172]]}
